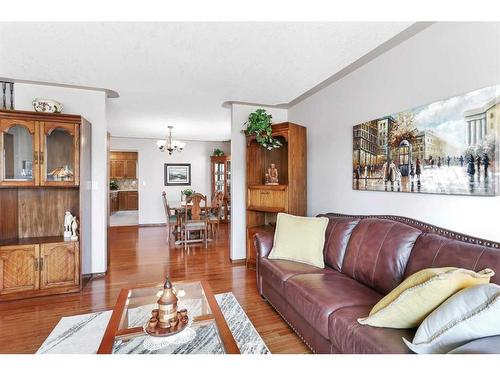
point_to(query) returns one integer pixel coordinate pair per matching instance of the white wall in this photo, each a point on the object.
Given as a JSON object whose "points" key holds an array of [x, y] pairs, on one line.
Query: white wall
{"points": [[150, 172], [444, 60], [92, 106], [239, 114]]}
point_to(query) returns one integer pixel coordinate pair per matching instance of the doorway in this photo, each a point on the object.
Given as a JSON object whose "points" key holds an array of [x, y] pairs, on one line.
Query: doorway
{"points": [[123, 188]]}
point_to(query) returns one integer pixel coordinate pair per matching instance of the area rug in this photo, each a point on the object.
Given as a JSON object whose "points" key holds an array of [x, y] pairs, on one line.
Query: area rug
{"points": [[82, 334]]}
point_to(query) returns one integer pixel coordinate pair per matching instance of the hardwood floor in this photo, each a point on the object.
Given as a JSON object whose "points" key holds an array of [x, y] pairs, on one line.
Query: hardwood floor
{"points": [[140, 255]]}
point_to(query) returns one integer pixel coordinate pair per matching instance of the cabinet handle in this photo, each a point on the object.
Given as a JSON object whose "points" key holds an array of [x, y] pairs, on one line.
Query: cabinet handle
{"points": [[264, 192], [36, 264], [35, 158], [41, 264], [41, 157]]}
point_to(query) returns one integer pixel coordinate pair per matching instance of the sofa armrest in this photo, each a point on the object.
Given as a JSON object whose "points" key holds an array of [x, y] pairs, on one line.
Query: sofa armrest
{"points": [[263, 243]]}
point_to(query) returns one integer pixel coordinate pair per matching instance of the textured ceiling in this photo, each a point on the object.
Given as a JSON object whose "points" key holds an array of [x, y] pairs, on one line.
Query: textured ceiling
{"points": [[180, 73]]}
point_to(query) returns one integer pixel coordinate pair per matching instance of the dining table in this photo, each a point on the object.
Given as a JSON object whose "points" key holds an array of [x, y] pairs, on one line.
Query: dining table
{"points": [[180, 207]]}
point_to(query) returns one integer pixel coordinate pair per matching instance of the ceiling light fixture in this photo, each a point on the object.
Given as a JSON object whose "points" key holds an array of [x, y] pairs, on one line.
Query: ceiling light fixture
{"points": [[169, 144]]}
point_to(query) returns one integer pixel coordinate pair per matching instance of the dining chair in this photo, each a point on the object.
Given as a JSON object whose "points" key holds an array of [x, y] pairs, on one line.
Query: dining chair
{"points": [[215, 212], [171, 219], [198, 221]]}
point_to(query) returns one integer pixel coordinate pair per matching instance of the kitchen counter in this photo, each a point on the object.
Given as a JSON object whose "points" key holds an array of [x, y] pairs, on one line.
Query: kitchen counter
{"points": [[117, 191]]}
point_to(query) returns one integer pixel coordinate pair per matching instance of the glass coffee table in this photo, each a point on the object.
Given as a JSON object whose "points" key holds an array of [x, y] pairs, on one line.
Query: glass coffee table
{"points": [[207, 332]]}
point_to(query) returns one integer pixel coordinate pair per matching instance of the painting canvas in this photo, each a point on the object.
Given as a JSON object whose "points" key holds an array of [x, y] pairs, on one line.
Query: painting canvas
{"points": [[447, 147], [177, 174]]}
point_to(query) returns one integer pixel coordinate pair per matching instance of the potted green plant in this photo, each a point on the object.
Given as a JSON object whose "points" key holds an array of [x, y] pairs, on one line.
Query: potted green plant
{"points": [[113, 185], [259, 124], [187, 192], [218, 152]]}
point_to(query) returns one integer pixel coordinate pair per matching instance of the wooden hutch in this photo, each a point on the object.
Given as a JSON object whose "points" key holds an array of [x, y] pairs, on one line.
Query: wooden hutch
{"points": [[221, 181], [264, 202], [35, 259]]}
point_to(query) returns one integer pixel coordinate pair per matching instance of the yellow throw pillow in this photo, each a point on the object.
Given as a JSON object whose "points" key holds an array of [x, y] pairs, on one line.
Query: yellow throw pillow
{"points": [[300, 239], [407, 305]]}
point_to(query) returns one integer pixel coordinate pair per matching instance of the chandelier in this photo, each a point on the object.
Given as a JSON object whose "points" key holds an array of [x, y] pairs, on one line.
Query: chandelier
{"points": [[169, 144]]}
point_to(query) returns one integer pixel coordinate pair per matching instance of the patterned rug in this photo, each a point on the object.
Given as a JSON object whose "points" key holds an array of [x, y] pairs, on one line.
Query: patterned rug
{"points": [[82, 334]]}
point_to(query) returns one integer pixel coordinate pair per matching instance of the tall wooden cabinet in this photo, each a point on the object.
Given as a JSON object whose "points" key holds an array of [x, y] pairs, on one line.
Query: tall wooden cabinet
{"points": [[221, 181], [264, 202], [45, 170]]}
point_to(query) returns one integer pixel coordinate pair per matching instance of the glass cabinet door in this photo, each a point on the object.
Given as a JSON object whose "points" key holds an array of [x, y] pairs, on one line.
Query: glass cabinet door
{"points": [[219, 176], [19, 159], [59, 154]]}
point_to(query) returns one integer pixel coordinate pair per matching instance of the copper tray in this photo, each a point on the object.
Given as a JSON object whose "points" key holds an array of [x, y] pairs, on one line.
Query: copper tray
{"points": [[164, 332]]}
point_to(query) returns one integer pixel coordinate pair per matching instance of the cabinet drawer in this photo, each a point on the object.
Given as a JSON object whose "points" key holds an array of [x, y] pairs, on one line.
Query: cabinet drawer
{"points": [[267, 199]]}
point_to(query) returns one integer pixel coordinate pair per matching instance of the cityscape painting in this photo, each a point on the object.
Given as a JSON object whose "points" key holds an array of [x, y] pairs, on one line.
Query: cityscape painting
{"points": [[447, 147]]}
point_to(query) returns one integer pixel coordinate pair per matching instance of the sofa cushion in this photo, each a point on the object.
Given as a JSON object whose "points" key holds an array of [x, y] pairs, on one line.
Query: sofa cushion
{"points": [[316, 296], [378, 252], [470, 314], [420, 294], [300, 239], [432, 250], [485, 345], [337, 237], [348, 336], [276, 272]]}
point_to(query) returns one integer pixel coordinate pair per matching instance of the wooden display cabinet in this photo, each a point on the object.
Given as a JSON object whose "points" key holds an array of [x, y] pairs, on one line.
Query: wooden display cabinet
{"points": [[43, 159], [264, 202], [221, 181], [38, 153]]}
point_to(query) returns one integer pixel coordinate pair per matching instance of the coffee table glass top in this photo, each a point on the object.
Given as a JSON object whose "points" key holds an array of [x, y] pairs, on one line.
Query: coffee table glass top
{"points": [[134, 310]]}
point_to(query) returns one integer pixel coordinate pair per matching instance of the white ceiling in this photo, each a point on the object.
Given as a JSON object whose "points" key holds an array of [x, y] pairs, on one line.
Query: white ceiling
{"points": [[180, 73]]}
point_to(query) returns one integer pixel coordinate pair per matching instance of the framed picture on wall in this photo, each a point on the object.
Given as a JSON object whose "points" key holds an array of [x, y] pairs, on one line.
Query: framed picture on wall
{"points": [[177, 174], [446, 147]]}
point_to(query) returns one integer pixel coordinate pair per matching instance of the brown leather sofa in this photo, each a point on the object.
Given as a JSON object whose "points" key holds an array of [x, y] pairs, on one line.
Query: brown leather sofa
{"points": [[365, 258]]}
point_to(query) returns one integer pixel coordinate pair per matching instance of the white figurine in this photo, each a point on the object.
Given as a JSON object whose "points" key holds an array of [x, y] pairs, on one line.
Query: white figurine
{"points": [[68, 220], [74, 227]]}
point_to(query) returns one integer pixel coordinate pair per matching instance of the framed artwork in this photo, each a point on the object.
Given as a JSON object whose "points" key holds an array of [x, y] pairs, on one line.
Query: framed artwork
{"points": [[177, 174], [446, 147]]}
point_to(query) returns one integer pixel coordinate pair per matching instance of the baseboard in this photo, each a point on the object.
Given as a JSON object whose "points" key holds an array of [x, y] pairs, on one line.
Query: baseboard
{"points": [[90, 276], [152, 225], [238, 261]]}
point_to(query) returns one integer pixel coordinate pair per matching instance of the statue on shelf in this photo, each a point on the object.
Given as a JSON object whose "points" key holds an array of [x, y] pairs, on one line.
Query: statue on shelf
{"points": [[74, 229], [68, 221], [272, 175]]}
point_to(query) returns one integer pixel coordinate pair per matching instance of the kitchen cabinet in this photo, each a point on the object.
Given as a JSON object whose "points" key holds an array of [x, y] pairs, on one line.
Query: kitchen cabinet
{"points": [[127, 200], [123, 165]]}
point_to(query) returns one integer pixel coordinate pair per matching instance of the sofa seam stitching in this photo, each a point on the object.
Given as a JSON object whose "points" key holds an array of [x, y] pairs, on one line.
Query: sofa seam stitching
{"points": [[437, 252], [378, 253], [358, 251], [479, 257]]}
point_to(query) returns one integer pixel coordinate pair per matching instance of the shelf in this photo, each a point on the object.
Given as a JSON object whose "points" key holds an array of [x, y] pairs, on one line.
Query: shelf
{"points": [[266, 209], [33, 241], [268, 187]]}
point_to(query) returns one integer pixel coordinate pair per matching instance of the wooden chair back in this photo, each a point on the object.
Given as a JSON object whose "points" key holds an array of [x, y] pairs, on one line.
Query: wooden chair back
{"points": [[196, 210], [166, 207]]}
